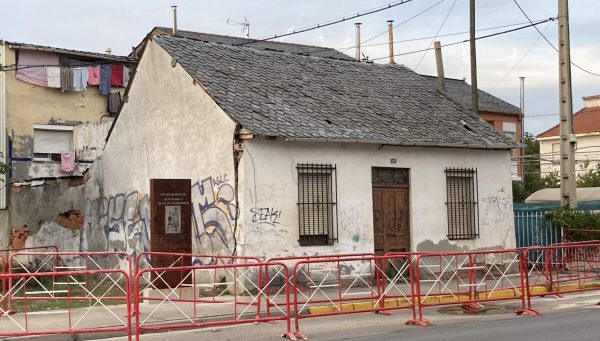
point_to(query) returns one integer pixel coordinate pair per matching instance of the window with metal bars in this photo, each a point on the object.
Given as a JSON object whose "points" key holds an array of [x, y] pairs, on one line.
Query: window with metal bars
{"points": [[461, 203], [317, 209]]}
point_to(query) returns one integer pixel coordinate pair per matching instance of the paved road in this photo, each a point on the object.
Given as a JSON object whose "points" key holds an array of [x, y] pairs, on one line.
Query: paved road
{"points": [[580, 325]]}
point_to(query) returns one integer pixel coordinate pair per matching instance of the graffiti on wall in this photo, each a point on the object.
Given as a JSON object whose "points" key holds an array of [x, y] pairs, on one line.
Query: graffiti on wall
{"points": [[122, 222], [214, 217], [497, 212], [265, 215], [124, 219]]}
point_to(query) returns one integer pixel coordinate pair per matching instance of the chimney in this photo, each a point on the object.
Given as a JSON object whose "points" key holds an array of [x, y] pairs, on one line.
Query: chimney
{"points": [[391, 39], [107, 51], [591, 101], [357, 49], [441, 83], [174, 10]]}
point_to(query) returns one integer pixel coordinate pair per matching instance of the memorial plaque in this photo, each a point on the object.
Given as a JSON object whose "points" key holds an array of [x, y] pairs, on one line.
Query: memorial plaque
{"points": [[171, 212]]}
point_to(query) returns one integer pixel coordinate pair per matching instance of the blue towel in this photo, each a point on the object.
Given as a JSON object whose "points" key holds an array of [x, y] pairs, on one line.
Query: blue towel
{"points": [[105, 73]]}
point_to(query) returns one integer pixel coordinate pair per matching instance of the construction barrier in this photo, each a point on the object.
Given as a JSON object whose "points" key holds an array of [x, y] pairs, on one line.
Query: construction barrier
{"points": [[93, 296], [278, 276], [167, 306], [561, 269], [346, 285], [468, 279]]}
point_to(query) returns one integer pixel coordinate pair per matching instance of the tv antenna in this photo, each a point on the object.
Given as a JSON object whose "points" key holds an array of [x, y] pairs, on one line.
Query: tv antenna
{"points": [[244, 24]]}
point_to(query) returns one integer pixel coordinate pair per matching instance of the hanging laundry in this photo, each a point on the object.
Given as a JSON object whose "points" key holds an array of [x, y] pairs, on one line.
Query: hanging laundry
{"points": [[93, 75], [31, 66], [125, 75], [67, 161], [114, 102], [66, 79], [116, 75], [80, 78], [53, 73], [105, 76]]}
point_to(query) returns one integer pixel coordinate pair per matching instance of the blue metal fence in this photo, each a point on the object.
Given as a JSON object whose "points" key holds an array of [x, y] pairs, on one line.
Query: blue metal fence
{"points": [[531, 229]]}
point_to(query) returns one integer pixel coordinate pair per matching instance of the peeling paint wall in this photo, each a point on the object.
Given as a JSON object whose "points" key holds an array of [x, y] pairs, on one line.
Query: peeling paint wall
{"points": [[47, 214], [167, 129]]}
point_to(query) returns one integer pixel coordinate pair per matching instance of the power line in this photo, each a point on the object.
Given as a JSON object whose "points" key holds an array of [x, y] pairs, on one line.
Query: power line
{"points": [[399, 24], [436, 34], [467, 40], [328, 23], [550, 43], [520, 60]]}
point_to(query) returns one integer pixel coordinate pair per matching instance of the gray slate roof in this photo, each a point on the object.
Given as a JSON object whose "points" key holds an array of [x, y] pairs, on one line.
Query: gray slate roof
{"points": [[77, 53], [460, 91], [309, 50], [299, 97]]}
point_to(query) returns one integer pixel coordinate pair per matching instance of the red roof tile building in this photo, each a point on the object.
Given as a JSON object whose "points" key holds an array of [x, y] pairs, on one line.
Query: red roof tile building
{"points": [[586, 127]]}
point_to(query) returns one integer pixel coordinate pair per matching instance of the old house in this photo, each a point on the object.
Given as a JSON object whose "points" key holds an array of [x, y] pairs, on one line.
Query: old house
{"points": [[503, 116], [291, 153], [586, 127], [54, 118]]}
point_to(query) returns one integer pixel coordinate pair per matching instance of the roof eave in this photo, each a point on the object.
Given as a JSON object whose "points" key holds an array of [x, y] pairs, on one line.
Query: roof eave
{"points": [[401, 144]]}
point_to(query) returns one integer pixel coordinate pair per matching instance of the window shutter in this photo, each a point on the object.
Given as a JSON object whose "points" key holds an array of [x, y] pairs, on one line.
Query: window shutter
{"points": [[52, 141]]}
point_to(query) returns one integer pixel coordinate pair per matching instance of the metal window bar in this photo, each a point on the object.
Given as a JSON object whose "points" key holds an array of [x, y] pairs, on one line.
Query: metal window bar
{"points": [[317, 204], [462, 203]]}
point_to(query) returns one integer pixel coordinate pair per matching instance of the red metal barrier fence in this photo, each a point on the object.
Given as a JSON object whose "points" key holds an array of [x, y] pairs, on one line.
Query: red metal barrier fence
{"points": [[4, 282], [169, 308], [560, 269], [93, 296], [325, 287], [468, 278]]}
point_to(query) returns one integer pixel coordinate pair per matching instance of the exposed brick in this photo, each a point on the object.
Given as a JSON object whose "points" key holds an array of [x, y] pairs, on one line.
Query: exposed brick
{"points": [[18, 236], [72, 219]]}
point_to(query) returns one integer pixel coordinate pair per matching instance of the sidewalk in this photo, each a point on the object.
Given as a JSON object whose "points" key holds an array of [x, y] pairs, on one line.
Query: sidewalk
{"points": [[352, 325]]}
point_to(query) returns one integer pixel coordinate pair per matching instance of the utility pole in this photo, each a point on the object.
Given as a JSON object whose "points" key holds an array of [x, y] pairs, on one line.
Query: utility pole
{"points": [[474, 97], [567, 138], [520, 167]]}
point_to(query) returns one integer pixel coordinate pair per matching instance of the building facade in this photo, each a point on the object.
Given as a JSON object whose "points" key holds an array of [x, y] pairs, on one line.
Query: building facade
{"points": [[43, 120], [586, 126], [292, 154]]}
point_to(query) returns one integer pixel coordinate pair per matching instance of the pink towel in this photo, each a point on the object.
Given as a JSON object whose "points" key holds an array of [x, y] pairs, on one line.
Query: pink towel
{"points": [[94, 75], [67, 161], [32, 66]]}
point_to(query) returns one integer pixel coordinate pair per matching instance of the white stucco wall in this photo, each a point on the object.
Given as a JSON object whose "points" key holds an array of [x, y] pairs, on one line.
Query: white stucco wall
{"points": [[270, 181], [169, 128], [587, 153]]}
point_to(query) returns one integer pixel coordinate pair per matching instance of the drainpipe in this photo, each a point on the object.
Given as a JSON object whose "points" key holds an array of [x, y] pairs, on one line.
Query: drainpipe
{"points": [[441, 81], [174, 10], [391, 40], [357, 49], [3, 140]]}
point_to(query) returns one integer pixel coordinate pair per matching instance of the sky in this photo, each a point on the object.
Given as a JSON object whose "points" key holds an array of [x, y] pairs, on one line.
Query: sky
{"points": [[501, 60]]}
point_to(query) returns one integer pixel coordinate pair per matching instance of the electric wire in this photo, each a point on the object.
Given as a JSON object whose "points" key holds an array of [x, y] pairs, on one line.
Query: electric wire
{"points": [[436, 35], [520, 60], [328, 23], [467, 40], [397, 25], [550, 43]]}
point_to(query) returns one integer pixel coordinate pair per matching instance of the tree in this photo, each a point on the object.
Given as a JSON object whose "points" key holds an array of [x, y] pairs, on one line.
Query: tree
{"points": [[532, 177]]}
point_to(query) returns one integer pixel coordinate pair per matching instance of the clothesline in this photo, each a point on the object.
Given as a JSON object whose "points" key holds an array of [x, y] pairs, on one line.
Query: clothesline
{"points": [[45, 69]]}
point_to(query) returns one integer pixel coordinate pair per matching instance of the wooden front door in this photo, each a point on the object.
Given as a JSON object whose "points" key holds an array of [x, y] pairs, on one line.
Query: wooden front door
{"points": [[391, 213]]}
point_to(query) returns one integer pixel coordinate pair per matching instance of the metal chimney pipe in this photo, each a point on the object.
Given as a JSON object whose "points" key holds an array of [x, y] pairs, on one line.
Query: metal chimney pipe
{"points": [[107, 51], [391, 40], [439, 61], [357, 49], [174, 10]]}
